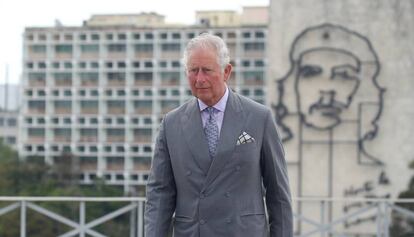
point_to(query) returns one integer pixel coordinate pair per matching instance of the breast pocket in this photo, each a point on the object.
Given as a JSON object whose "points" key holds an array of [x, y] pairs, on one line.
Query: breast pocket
{"points": [[243, 154]]}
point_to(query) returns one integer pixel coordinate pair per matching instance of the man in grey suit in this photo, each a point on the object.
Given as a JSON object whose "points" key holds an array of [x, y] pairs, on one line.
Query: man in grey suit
{"points": [[218, 159]]}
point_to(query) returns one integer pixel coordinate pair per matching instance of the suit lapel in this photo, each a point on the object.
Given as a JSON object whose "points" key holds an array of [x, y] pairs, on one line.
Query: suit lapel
{"points": [[194, 135], [231, 128]]}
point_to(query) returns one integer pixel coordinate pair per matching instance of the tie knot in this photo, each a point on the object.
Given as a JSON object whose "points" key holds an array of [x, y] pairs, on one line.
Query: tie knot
{"points": [[210, 110]]}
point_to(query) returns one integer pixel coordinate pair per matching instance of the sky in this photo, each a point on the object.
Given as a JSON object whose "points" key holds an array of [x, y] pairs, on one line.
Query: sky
{"points": [[15, 15]]}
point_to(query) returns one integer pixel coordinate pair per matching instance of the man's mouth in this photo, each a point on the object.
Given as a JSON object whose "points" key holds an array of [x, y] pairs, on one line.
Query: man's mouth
{"points": [[326, 110]]}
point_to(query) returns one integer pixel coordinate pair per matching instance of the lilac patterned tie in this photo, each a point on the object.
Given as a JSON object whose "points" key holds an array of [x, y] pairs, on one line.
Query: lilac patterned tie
{"points": [[212, 132]]}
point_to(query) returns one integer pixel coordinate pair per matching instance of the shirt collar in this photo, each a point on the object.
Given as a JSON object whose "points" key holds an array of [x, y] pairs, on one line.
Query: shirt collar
{"points": [[221, 104]]}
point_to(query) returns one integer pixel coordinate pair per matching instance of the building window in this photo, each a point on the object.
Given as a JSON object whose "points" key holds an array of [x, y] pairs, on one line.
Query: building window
{"points": [[255, 46], [246, 35], [149, 36], [117, 48], [95, 37], [176, 36], [148, 64], [259, 63], [89, 48], [170, 47], [259, 34], [163, 36], [41, 65], [67, 65], [122, 36], [94, 65], [258, 92], [37, 48], [144, 48], [175, 64], [63, 48]]}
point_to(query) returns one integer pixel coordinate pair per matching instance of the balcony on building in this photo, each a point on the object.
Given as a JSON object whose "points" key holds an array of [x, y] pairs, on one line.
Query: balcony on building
{"points": [[88, 135], [62, 78], [89, 51], [142, 135], [141, 163], [143, 78], [114, 163], [115, 135], [168, 105], [116, 78], [89, 106], [63, 107], [37, 79], [169, 78], [116, 50], [144, 50], [37, 51], [62, 135], [115, 106], [88, 163], [63, 51], [170, 50], [253, 78], [143, 106], [254, 49], [36, 135], [36, 107], [89, 79]]}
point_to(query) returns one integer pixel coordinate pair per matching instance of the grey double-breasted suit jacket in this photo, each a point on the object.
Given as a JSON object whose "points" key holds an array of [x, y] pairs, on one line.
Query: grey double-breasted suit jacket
{"points": [[225, 196]]}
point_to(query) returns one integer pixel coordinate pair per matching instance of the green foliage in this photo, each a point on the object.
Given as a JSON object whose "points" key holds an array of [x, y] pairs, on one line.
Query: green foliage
{"points": [[24, 178], [402, 226]]}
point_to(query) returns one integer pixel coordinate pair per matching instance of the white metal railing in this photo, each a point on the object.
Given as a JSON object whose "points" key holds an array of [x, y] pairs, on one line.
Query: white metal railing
{"points": [[313, 216]]}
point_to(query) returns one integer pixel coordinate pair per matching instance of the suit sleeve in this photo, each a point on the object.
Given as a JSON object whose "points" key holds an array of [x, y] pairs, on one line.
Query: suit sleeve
{"points": [[275, 181], [161, 190]]}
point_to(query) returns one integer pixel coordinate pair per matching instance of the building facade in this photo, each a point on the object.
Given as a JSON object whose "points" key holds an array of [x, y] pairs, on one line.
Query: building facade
{"points": [[99, 92]]}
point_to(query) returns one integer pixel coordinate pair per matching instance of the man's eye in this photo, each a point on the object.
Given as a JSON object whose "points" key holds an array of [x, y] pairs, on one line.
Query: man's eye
{"points": [[310, 71], [194, 71], [343, 75]]}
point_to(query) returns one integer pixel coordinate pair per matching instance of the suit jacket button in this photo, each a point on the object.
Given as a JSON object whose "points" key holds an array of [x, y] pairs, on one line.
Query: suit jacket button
{"points": [[227, 194], [188, 172], [228, 220], [202, 222]]}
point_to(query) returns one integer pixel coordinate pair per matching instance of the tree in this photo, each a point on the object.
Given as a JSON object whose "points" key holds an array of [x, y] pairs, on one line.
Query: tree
{"points": [[28, 178], [403, 226]]}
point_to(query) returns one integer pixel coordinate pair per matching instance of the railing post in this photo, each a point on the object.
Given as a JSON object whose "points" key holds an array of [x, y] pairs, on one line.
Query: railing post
{"points": [[133, 220], [323, 216], [82, 219], [379, 218], [23, 219], [140, 218], [387, 217]]}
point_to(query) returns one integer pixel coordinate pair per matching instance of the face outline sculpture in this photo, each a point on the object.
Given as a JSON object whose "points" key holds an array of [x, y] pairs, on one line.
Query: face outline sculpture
{"points": [[315, 55], [329, 86]]}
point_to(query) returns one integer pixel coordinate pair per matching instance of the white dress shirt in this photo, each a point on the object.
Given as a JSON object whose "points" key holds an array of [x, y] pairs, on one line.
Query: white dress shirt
{"points": [[220, 107]]}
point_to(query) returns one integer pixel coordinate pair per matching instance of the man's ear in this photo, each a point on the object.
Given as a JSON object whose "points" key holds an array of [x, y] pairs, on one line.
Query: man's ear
{"points": [[227, 72]]}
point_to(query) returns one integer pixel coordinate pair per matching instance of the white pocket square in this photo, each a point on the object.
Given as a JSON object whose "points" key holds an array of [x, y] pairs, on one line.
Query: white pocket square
{"points": [[244, 138]]}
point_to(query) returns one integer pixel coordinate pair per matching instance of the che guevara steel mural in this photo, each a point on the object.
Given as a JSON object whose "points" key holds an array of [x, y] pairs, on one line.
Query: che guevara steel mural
{"points": [[328, 110]]}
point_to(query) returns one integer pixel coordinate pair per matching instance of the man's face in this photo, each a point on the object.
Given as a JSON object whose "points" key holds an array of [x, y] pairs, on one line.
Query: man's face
{"points": [[325, 84], [206, 78]]}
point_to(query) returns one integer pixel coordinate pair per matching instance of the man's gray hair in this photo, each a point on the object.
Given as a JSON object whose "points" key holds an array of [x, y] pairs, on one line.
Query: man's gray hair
{"points": [[209, 41]]}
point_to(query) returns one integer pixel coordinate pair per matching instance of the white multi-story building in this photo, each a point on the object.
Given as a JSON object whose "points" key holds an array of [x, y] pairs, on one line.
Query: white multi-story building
{"points": [[99, 91]]}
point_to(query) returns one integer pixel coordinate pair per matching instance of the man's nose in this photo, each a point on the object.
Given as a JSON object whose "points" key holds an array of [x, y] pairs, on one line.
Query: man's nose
{"points": [[326, 97], [200, 77]]}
